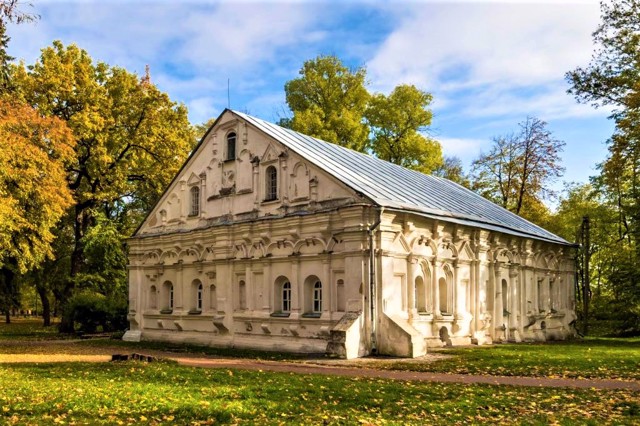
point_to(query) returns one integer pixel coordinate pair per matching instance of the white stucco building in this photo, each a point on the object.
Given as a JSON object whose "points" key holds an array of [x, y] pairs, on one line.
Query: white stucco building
{"points": [[274, 240]]}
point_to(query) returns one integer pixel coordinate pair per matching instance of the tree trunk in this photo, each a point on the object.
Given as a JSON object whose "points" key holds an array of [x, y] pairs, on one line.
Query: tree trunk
{"points": [[46, 306], [8, 292], [80, 225]]}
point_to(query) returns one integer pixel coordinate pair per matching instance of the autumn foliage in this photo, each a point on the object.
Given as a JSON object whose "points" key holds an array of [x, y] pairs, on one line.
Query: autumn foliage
{"points": [[33, 183]]}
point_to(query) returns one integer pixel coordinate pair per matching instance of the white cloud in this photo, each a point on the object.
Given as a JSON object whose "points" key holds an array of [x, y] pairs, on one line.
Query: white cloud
{"points": [[464, 148], [549, 102], [518, 44], [236, 36]]}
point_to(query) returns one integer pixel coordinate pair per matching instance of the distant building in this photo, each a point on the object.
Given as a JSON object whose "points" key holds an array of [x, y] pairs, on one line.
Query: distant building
{"points": [[273, 240]]}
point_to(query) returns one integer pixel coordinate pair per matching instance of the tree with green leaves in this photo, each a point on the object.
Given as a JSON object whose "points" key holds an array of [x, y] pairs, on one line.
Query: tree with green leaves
{"points": [[328, 101], [5, 61], [612, 78], [608, 256], [518, 169], [331, 102], [130, 138], [397, 123]]}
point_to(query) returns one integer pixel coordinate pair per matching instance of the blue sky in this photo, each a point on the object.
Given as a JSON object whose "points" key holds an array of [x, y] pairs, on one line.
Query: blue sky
{"points": [[487, 64]]}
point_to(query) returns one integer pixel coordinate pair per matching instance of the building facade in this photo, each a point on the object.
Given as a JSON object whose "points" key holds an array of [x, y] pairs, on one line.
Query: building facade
{"points": [[272, 240]]}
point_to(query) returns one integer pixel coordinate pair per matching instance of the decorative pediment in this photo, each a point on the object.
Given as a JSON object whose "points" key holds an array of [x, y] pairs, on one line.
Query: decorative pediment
{"points": [[465, 252], [229, 125], [271, 154], [193, 179]]}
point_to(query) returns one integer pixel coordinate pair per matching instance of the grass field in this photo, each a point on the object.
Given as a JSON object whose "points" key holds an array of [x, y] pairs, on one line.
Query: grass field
{"points": [[28, 329], [161, 393], [607, 358], [42, 392]]}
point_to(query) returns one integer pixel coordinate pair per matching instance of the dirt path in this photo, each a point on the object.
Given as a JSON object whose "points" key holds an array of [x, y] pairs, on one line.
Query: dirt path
{"points": [[352, 368], [307, 368]]}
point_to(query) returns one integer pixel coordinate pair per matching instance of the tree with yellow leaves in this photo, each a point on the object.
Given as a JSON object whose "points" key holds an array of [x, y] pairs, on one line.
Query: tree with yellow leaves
{"points": [[130, 139], [33, 189]]}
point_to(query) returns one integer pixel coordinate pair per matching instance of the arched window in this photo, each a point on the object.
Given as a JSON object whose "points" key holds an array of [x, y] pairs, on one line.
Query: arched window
{"points": [[199, 298], [166, 300], [271, 184], [317, 297], [286, 296], [231, 146], [312, 297], [195, 201]]}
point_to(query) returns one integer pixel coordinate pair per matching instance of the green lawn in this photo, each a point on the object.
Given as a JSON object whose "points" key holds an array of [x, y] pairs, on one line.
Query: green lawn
{"points": [[162, 393], [611, 358], [28, 329]]}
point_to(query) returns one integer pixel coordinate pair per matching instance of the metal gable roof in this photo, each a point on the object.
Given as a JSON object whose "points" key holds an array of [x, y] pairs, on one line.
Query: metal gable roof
{"points": [[395, 187]]}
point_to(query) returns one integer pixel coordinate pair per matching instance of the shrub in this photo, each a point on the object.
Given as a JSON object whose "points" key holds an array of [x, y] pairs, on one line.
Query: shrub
{"points": [[91, 311]]}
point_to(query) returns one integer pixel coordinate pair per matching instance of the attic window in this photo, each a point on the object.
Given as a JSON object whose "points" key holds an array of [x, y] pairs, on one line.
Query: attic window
{"points": [[231, 146], [195, 201]]}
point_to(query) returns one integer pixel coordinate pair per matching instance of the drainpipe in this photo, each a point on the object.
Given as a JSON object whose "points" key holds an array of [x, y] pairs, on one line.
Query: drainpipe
{"points": [[372, 283]]}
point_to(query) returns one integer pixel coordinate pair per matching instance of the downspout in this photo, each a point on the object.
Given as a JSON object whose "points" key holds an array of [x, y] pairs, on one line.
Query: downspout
{"points": [[372, 283]]}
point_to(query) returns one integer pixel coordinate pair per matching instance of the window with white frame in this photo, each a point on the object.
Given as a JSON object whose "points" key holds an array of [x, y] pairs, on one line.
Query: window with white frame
{"points": [[195, 201], [317, 297], [271, 184], [166, 302], [286, 297], [199, 297]]}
